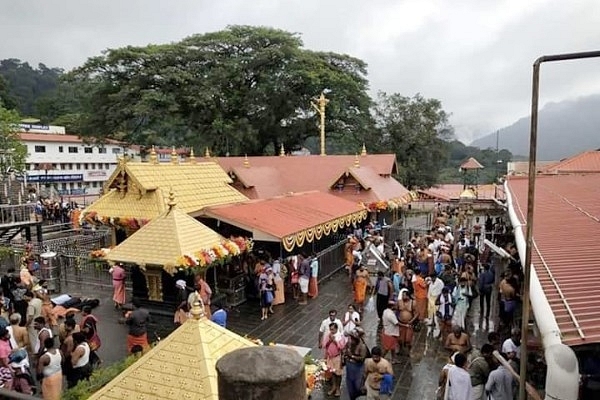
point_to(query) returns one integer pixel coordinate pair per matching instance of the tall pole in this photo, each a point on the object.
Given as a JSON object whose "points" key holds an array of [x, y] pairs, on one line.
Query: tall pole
{"points": [[530, 204], [319, 106]]}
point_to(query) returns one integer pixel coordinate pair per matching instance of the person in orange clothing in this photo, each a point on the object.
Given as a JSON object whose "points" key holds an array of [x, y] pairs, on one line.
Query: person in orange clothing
{"points": [[421, 288]]}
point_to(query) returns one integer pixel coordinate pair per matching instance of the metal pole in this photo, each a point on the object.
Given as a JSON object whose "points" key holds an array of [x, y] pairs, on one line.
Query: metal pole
{"points": [[530, 214], [530, 203]]}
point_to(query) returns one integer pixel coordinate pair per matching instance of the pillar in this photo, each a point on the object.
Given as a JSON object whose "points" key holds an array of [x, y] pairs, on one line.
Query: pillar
{"points": [[261, 373]]}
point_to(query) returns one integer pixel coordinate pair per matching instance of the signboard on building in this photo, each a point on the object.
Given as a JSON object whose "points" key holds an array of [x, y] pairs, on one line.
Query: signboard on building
{"points": [[29, 127], [97, 175], [52, 178]]}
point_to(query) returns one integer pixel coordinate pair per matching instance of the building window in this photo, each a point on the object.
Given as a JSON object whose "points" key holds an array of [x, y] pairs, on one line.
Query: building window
{"points": [[116, 150], [60, 149], [100, 165], [63, 186], [73, 149], [77, 166], [54, 166], [88, 150], [40, 149], [102, 150], [85, 166], [93, 165], [70, 165], [106, 166]]}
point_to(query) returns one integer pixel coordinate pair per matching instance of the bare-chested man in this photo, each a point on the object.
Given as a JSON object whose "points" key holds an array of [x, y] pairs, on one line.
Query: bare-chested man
{"points": [[508, 294], [407, 315], [458, 341]]}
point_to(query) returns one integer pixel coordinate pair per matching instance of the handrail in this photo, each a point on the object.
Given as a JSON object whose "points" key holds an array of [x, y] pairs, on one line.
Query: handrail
{"points": [[531, 391]]}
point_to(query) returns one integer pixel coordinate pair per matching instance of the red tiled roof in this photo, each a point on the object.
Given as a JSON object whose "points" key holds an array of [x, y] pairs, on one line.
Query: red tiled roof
{"points": [[586, 162], [452, 191], [265, 177], [565, 256], [471, 163], [281, 217]]}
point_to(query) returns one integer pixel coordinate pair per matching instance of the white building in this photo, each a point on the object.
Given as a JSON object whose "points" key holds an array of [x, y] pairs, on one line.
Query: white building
{"points": [[65, 162]]}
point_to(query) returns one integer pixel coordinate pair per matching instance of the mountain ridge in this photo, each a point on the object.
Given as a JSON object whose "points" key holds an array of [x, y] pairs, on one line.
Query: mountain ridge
{"points": [[564, 128]]}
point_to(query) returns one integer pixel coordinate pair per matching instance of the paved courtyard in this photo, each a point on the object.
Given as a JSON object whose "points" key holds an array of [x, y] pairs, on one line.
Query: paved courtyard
{"points": [[416, 376]]}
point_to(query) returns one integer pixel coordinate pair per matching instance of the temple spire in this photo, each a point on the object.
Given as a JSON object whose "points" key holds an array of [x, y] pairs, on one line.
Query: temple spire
{"points": [[246, 161], [282, 151], [172, 203], [207, 153], [192, 156], [363, 151], [356, 161], [153, 157], [174, 156]]}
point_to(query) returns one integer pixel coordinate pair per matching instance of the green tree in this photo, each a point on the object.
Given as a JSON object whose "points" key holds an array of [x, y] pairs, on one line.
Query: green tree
{"points": [[417, 130], [240, 90], [12, 152]]}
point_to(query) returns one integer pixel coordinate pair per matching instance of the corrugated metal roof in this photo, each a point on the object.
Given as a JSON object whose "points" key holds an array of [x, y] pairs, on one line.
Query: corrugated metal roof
{"points": [[453, 191], [565, 256], [586, 162]]}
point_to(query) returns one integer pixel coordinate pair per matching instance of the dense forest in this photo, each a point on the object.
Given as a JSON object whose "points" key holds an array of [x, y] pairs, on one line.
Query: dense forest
{"points": [[243, 90]]}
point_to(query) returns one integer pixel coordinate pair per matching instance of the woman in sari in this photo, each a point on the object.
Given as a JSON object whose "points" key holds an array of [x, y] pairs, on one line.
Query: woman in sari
{"points": [[361, 281], [118, 281], [313, 283], [279, 295]]}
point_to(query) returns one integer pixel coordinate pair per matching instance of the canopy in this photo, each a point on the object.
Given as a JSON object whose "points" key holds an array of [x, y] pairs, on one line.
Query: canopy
{"points": [[294, 219]]}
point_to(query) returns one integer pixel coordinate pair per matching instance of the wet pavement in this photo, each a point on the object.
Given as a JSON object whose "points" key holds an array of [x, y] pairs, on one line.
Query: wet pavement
{"points": [[415, 376]]}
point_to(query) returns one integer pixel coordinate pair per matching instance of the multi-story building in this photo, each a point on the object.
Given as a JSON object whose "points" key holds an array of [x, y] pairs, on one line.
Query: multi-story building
{"points": [[65, 162]]}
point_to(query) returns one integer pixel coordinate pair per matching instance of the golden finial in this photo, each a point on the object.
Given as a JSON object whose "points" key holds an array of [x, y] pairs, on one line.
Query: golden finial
{"points": [[282, 151], [174, 156], [206, 153], [197, 309], [122, 185], [192, 156], [172, 201], [246, 161], [153, 157], [363, 151], [356, 161]]}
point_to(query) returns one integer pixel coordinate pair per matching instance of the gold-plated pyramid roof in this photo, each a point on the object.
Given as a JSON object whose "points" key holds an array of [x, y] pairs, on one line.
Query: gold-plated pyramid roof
{"points": [[165, 239], [181, 366], [142, 189]]}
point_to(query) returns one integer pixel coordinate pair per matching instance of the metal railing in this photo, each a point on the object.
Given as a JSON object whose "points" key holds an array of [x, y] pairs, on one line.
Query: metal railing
{"points": [[17, 214], [331, 260]]}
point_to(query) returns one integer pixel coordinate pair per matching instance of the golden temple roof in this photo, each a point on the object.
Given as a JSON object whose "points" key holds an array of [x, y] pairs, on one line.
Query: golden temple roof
{"points": [[182, 366], [164, 239], [138, 189]]}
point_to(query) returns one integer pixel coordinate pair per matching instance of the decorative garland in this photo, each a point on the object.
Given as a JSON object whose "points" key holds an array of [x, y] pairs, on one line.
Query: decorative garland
{"points": [[317, 232], [217, 254], [390, 205], [93, 218]]}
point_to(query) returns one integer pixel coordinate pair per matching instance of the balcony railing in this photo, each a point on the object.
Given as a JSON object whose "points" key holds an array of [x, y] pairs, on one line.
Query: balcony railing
{"points": [[18, 215]]}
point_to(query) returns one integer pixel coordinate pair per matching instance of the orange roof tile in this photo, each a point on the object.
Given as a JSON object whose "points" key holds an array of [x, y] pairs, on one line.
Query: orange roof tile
{"points": [[565, 255], [586, 162], [264, 177], [471, 163], [292, 219]]}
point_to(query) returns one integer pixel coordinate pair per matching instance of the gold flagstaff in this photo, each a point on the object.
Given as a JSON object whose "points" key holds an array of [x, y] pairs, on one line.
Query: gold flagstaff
{"points": [[319, 106]]}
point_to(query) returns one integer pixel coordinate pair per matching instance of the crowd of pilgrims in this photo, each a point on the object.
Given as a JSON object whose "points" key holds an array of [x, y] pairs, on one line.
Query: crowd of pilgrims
{"points": [[432, 283]]}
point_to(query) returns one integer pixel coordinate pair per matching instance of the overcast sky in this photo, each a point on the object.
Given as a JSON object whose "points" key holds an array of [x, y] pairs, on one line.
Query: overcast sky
{"points": [[473, 55]]}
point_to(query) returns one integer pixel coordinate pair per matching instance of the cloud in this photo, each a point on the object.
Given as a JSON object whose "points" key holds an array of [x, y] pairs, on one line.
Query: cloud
{"points": [[475, 56]]}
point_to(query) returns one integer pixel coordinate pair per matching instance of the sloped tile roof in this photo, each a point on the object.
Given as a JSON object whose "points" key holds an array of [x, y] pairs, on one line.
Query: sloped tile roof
{"points": [[586, 162], [291, 219], [164, 239], [197, 186], [181, 366], [565, 254], [265, 177], [471, 163]]}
